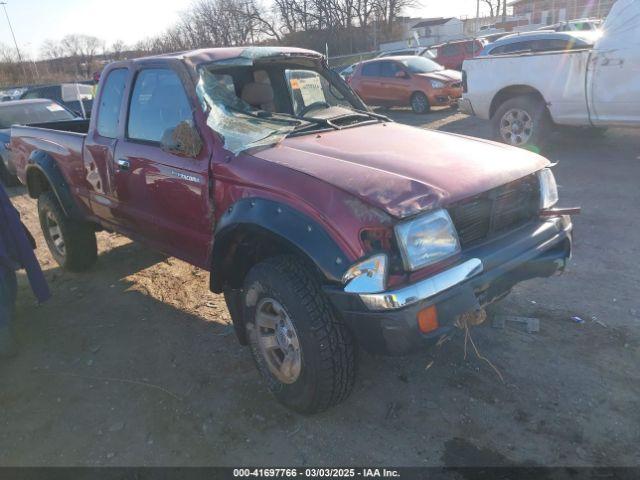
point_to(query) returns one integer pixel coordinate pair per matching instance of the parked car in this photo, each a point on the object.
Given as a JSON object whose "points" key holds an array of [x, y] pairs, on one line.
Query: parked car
{"points": [[596, 87], [347, 72], [10, 93], [325, 225], [451, 55], [581, 25], [77, 97], [537, 42], [25, 112], [407, 81], [402, 52], [492, 37]]}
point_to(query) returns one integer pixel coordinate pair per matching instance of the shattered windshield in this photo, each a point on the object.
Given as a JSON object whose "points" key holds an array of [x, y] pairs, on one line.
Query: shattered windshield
{"points": [[232, 117], [259, 104]]}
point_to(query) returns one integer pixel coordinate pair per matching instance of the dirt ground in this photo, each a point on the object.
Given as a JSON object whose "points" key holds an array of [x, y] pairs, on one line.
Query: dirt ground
{"points": [[134, 363]]}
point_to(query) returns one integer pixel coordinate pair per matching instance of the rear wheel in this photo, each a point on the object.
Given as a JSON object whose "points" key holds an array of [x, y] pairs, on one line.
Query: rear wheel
{"points": [[420, 103], [522, 122], [304, 352], [72, 243]]}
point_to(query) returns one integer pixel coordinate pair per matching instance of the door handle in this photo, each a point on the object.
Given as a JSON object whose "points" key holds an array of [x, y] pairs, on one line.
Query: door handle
{"points": [[123, 164]]}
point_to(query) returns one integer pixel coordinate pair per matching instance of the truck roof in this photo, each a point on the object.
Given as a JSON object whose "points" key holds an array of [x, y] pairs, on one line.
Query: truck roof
{"points": [[206, 55]]}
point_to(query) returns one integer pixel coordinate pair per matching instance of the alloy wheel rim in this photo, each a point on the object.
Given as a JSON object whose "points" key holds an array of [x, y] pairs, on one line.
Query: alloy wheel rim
{"points": [[278, 341], [55, 234], [419, 103], [516, 127]]}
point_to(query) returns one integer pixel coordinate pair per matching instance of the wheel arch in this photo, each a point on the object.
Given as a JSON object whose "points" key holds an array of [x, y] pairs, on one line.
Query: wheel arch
{"points": [[510, 92], [254, 229], [43, 174]]}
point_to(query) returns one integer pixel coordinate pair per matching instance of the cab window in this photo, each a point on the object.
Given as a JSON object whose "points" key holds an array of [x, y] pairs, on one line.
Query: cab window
{"points": [[111, 103], [158, 103]]}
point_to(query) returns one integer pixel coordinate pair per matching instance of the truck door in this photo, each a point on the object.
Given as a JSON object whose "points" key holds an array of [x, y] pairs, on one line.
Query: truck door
{"points": [[162, 196], [614, 70], [100, 145]]}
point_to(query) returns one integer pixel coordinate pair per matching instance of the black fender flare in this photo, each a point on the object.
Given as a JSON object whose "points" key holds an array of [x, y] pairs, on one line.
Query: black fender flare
{"points": [[47, 166], [286, 224]]}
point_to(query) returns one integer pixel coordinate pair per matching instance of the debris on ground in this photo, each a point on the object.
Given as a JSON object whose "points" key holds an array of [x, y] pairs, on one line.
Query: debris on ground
{"points": [[532, 325], [577, 319], [465, 322]]}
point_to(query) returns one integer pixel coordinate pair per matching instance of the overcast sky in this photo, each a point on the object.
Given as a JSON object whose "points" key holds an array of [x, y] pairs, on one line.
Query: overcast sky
{"points": [[34, 21]]}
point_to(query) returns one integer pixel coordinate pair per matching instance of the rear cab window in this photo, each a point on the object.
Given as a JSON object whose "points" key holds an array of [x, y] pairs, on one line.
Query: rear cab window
{"points": [[111, 103]]}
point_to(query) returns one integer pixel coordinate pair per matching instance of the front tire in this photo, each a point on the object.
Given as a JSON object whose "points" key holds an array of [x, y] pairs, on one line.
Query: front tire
{"points": [[72, 243], [304, 352], [420, 103], [522, 122]]}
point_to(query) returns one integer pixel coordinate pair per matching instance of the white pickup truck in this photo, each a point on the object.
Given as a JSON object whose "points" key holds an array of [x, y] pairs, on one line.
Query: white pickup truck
{"points": [[524, 95]]}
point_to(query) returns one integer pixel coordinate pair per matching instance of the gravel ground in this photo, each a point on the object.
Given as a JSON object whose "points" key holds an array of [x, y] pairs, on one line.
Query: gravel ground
{"points": [[134, 363]]}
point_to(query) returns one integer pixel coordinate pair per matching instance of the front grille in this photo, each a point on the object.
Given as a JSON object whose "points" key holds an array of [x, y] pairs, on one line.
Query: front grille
{"points": [[497, 211]]}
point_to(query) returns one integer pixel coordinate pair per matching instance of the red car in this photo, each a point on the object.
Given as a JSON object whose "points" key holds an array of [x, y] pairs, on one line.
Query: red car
{"points": [[453, 54], [326, 226], [406, 81]]}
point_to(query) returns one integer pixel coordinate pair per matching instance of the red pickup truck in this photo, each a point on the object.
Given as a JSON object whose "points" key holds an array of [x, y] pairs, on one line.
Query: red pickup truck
{"points": [[325, 225]]}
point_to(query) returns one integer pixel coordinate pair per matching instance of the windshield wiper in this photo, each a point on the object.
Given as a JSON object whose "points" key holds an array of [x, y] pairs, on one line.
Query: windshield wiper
{"points": [[264, 115], [379, 116]]}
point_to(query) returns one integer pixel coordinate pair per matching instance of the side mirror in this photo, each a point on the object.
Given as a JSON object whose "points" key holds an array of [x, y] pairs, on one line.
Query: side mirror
{"points": [[402, 74], [182, 140]]}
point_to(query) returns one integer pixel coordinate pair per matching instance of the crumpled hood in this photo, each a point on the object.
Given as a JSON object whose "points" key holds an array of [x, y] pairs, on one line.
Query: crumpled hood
{"points": [[444, 76], [404, 170]]}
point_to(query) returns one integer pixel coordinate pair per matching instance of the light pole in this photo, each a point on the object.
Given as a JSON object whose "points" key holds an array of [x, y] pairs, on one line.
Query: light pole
{"points": [[4, 5]]}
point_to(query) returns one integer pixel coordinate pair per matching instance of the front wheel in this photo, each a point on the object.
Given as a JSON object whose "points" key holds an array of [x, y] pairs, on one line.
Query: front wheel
{"points": [[420, 103], [72, 243], [304, 352], [522, 122]]}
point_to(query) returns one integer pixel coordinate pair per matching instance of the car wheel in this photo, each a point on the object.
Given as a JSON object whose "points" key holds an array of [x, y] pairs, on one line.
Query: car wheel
{"points": [[420, 103], [303, 351], [522, 122], [72, 243]]}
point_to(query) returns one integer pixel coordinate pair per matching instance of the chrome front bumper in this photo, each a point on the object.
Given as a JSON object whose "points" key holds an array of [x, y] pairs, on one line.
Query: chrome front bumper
{"points": [[424, 289], [489, 261]]}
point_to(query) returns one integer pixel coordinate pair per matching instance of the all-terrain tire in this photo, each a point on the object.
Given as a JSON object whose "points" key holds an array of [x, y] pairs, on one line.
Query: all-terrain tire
{"points": [[531, 111], [79, 249], [420, 103], [327, 347]]}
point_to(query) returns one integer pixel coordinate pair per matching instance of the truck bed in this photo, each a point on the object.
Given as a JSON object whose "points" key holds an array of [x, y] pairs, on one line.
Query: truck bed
{"points": [[558, 76], [62, 141]]}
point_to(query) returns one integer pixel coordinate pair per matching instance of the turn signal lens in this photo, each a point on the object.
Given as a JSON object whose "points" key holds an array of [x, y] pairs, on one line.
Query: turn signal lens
{"points": [[428, 319]]}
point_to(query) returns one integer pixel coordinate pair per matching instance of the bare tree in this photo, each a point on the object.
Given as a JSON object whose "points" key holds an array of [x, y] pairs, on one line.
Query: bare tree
{"points": [[82, 48], [495, 7]]}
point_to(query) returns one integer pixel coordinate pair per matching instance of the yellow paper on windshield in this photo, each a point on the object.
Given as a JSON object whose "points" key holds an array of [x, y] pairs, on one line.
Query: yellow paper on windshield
{"points": [[311, 90]]}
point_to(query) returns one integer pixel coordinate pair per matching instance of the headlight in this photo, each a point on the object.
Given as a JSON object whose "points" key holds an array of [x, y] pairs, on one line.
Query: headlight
{"points": [[548, 189], [427, 239], [437, 84]]}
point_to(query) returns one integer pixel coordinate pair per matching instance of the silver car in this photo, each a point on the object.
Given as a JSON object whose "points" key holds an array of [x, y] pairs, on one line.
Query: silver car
{"points": [[543, 41]]}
